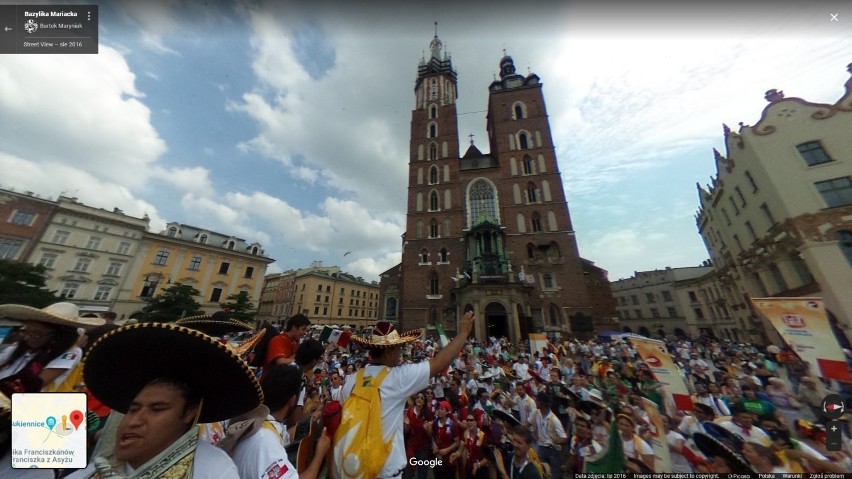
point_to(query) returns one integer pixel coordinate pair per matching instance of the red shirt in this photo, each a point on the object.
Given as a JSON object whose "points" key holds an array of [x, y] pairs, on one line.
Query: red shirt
{"points": [[446, 434], [417, 438], [280, 346], [474, 445]]}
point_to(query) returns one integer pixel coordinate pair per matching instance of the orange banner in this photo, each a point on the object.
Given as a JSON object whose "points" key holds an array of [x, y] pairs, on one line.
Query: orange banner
{"points": [[658, 441], [665, 371], [803, 324]]}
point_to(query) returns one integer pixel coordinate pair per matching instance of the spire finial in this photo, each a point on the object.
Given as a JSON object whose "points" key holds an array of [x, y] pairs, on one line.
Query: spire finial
{"points": [[436, 28], [471, 139], [504, 52]]}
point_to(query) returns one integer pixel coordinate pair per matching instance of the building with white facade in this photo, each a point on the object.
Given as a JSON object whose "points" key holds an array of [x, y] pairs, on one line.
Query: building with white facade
{"points": [[777, 217]]}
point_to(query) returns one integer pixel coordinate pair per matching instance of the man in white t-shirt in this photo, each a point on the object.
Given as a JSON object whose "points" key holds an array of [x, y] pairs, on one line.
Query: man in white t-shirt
{"points": [[259, 453], [402, 381]]}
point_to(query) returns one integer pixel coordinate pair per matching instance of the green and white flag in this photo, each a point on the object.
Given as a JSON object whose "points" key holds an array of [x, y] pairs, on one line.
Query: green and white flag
{"points": [[325, 334], [442, 336]]}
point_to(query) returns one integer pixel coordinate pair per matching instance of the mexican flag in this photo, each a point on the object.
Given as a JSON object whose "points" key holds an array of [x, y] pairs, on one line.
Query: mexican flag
{"points": [[335, 336], [442, 336]]}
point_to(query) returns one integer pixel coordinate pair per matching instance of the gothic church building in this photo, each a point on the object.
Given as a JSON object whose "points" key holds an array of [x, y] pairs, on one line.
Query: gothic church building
{"points": [[487, 231]]}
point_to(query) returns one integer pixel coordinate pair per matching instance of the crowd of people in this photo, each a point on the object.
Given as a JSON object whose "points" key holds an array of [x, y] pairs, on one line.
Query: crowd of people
{"points": [[181, 400]]}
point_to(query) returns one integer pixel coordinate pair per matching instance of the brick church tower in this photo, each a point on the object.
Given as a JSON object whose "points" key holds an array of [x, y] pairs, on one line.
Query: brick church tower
{"points": [[489, 231]]}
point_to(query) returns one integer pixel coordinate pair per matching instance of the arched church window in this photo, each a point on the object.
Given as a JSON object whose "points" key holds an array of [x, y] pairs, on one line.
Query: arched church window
{"points": [[433, 111], [433, 175], [433, 284], [536, 222], [531, 194], [524, 141], [433, 151], [433, 130], [433, 201], [529, 168], [482, 201]]}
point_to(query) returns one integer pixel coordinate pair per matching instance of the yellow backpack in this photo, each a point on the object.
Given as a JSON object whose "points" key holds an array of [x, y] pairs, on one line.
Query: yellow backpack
{"points": [[360, 451]]}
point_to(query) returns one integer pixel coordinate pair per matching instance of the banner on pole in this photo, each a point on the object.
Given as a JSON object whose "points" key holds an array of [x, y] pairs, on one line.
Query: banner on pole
{"points": [[538, 342], [803, 323], [665, 371]]}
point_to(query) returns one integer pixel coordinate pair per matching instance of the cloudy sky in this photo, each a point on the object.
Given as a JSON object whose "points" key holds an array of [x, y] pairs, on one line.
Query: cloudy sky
{"points": [[289, 124]]}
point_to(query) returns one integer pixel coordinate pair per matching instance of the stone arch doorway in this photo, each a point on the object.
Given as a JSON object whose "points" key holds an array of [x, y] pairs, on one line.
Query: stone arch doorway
{"points": [[645, 332], [496, 321]]}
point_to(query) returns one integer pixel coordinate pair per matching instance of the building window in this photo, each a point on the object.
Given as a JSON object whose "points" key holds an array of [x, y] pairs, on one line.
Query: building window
{"points": [[692, 297], [172, 232], [734, 205], [123, 248], [149, 286], [780, 283], [739, 193], [529, 169], [444, 258], [698, 313], [638, 313], [318, 298], [768, 214], [114, 268], [523, 141], [727, 218], [433, 201], [813, 153], [836, 192], [751, 181], [9, 248], [424, 257], [195, 263], [61, 237], [483, 204], [758, 284], [536, 222], [433, 111], [161, 258], [390, 308], [231, 245], [667, 296], [433, 151], [434, 288], [530, 251], [519, 111], [433, 90], [433, 175], [202, 239], [215, 295], [655, 313], [249, 272], [671, 312], [69, 290], [649, 297], [751, 231], [738, 242], [634, 299], [93, 243], [22, 218], [103, 292], [547, 281], [531, 196], [844, 240], [82, 265], [223, 268], [433, 130], [434, 231], [48, 260]]}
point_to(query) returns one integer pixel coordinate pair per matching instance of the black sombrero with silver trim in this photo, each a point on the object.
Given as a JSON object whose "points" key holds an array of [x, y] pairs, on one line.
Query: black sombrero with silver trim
{"points": [[216, 324], [123, 361], [712, 447]]}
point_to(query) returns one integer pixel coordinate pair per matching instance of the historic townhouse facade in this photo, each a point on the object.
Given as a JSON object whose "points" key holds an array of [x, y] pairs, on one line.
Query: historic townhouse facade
{"points": [[777, 218]]}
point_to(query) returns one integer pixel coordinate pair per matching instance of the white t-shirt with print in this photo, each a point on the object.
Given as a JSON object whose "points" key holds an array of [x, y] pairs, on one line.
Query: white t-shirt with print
{"points": [[67, 361], [262, 455], [400, 383]]}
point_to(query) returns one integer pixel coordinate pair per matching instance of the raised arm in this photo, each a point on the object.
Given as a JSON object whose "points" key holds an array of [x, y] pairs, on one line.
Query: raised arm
{"points": [[445, 356]]}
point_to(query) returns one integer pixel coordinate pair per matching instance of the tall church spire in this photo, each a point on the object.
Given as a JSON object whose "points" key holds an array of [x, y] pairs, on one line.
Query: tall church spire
{"points": [[436, 45]]}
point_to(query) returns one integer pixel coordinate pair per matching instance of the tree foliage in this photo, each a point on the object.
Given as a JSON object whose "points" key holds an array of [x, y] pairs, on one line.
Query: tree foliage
{"points": [[24, 283], [240, 307], [175, 302]]}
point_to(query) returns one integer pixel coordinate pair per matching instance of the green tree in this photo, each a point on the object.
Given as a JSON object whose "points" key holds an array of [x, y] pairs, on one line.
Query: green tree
{"points": [[24, 283], [175, 302], [240, 307]]}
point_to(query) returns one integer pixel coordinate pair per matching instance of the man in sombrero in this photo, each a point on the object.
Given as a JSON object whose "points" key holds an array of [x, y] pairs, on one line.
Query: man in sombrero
{"points": [[192, 378], [402, 381]]}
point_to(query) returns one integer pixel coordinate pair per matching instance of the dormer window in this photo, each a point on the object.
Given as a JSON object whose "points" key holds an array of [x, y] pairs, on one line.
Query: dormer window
{"points": [[172, 232], [231, 244], [254, 250], [202, 239]]}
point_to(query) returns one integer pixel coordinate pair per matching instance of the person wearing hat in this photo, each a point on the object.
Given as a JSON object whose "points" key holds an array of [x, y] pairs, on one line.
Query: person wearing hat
{"points": [[162, 397], [742, 424], [401, 381], [47, 350], [446, 436]]}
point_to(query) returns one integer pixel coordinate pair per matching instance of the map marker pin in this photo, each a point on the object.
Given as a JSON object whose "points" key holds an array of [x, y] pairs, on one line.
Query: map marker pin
{"points": [[50, 421], [76, 419]]}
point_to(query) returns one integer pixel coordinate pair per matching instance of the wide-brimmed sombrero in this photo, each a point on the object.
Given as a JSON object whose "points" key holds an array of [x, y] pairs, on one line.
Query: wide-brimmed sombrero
{"points": [[726, 437], [61, 314], [385, 335], [711, 447], [216, 324], [123, 361], [503, 415]]}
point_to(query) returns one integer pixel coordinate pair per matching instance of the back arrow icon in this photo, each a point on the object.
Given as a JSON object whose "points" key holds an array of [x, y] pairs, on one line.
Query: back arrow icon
{"points": [[7, 29]]}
